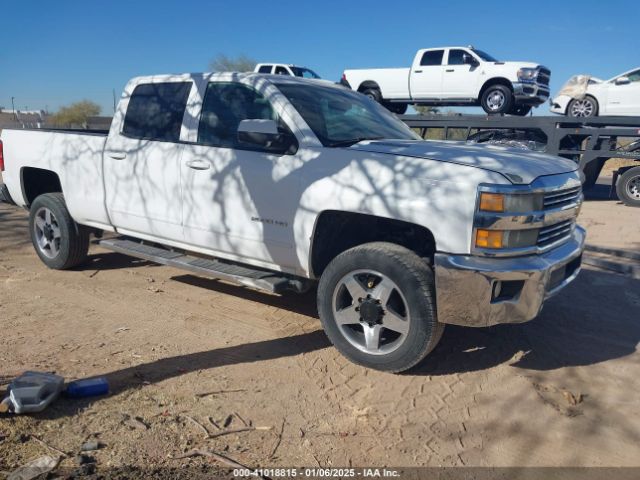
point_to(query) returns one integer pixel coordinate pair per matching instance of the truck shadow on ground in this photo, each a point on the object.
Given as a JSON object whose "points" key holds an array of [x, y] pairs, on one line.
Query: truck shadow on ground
{"points": [[592, 321]]}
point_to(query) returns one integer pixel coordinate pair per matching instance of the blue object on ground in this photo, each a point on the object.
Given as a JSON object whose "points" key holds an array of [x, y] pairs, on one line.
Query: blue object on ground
{"points": [[89, 387]]}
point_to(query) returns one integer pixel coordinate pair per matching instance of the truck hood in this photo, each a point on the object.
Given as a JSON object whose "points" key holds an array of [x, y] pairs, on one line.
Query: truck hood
{"points": [[519, 64], [517, 165]]}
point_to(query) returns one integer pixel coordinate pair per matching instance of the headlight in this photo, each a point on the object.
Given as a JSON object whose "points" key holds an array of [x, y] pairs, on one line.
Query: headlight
{"points": [[527, 74], [512, 203]]}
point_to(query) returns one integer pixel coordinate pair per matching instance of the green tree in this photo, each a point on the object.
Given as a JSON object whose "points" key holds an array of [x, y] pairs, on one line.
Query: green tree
{"points": [[75, 115], [241, 63]]}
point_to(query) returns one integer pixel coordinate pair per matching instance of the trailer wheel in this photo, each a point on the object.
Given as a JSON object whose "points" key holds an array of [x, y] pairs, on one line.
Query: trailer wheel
{"points": [[628, 187], [496, 99], [59, 241], [377, 305]]}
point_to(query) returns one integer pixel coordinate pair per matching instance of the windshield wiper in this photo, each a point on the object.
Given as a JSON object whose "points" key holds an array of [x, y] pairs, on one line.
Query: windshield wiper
{"points": [[352, 141]]}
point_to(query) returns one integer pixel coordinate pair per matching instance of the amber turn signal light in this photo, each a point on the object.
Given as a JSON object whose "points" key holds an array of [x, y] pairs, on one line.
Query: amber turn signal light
{"points": [[491, 202], [489, 238]]}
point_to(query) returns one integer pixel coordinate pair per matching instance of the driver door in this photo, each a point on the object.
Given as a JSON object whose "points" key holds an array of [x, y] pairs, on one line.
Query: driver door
{"points": [[460, 78], [624, 99]]}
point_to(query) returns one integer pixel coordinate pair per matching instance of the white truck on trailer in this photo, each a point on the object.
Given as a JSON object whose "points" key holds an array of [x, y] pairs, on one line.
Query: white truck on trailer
{"points": [[277, 182], [462, 76]]}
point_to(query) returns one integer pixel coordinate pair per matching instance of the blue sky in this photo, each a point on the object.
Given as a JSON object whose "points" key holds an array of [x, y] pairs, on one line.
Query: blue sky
{"points": [[54, 53]]}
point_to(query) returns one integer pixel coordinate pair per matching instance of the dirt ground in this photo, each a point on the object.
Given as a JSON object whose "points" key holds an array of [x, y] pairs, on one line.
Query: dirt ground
{"points": [[179, 350]]}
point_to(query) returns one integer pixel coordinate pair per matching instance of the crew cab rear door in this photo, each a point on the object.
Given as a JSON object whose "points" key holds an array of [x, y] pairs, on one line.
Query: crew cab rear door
{"points": [[425, 76], [142, 159]]}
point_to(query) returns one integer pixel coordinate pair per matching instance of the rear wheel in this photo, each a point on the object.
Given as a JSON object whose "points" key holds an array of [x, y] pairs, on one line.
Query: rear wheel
{"points": [[582, 107], [496, 99], [374, 94], [397, 108], [377, 305], [628, 187], [59, 241]]}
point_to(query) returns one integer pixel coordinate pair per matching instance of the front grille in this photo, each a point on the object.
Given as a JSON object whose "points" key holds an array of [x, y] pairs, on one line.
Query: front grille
{"points": [[555, 233], [544, 76], [561, 198]]}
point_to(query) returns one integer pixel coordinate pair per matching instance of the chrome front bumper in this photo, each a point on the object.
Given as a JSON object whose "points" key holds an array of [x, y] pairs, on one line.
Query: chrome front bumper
{"points": [[530, 93], [478, 291]]}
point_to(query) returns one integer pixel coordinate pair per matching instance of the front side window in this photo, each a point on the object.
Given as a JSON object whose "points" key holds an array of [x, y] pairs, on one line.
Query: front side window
{"points": [[340, 117], [634, 76], [156, 110], [281, 71], [304, 72], [432, 57], [456, 57], [265, 69], [225, 105]]}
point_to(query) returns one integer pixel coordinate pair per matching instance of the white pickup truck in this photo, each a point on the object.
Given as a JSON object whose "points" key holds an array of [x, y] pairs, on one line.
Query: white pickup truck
{"points": [[455, 76], [277, 183]]}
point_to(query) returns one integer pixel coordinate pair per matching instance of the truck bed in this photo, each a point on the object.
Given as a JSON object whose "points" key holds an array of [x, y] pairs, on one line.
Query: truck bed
{"points": [[75, 155]]}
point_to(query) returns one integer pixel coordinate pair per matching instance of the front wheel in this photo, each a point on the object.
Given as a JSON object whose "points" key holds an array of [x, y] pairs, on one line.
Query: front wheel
{"points": [[59, 241], [628, 187], [520, 110], [497, 99], [377, 305], [582, 107]]}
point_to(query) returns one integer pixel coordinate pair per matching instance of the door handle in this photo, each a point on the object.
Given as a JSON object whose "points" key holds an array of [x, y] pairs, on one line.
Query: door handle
{"points": [[417, 71], [118, 155], [449, 70], [198, 165]]}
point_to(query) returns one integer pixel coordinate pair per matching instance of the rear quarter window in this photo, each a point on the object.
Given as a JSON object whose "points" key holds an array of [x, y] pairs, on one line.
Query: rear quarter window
{"points": [[156, 110]]}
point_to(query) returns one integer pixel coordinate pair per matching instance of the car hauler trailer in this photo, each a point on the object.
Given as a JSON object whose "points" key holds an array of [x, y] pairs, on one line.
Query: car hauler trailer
{"points": [[590, 142]]}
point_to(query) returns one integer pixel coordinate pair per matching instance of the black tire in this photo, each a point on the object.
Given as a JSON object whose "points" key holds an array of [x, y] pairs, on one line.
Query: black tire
{"points": [[628, 187], [520, 110], [586, 107], [415, 284], [397, 108], [71, 246], [488, 100], [374, 94]]}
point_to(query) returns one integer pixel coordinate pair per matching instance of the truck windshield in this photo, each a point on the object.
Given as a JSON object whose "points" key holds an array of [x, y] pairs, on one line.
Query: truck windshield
{"points": [[304, 72], [340, 118], [484, 56]]}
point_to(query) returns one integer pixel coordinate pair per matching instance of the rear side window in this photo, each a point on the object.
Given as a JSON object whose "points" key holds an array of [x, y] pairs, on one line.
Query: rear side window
{"points": [[225, 106], [265, 69], [155, 111], [432, 57]]}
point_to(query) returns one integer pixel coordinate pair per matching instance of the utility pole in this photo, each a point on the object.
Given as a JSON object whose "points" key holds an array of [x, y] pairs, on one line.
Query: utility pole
{"points": [[13, 107], [114, 100]]}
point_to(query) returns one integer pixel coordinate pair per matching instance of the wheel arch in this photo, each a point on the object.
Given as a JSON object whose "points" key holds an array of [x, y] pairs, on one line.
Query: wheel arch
{"points": [[37, 181], [367, 84], [336, 231], [495, 81]]}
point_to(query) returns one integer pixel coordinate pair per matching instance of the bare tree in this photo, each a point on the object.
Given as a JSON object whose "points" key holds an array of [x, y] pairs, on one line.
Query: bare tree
{"points": [[241, 63]]}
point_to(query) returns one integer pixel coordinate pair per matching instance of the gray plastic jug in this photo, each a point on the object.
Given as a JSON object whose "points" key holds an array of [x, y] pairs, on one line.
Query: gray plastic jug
{"points": [[34, 391]]}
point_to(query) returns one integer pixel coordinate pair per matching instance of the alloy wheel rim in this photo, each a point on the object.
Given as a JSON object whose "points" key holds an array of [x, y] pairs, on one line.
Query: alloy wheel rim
{"points": [[371, 312], [47, 232], [495, 100], [582, 108]]}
